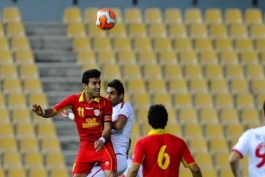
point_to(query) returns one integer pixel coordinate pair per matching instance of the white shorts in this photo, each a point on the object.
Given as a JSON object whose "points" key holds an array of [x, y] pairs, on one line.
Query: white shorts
{"points": [[121, 167]]}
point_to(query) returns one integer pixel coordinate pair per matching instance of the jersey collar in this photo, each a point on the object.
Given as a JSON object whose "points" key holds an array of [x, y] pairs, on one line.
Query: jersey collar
{"points": [[157, 131], [82, 98]]}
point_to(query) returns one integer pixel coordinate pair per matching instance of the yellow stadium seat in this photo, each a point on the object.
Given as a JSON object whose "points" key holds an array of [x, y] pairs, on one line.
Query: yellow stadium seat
{"points": [[233, 71], [153, 15], [173, 15], [76, 30], [243, 44], [101, 43], [213, 131], [253, 15], [53, 158], [28, 144], [110, 71], [24, 130], [141, 43], [238, 31], [28, 71], [20, 115], [172, 71], [213, 71], [218, 31], [45, 129], [162, 44], [193, 15], [16, 171], [6, 56], [8, 143], [257, 31], [4, 44], [177, 30], [19, 43], [165, 99], [4, 114], [205, 161], [8, 71], [186, 116], [198, 31], [72, 15], [141, 100], [218, 146], [136, 85], [54, 172], [229, 116], [37, 171], [133, 15], [174, 128], [244, 100], [233, 15], [151, 71], [203, 44], [198, 145], [137, 30], [2, 173], [141, 117], [208, 57], [197, 85], [248, 57], [249, 116], [223, 44], [16, 100], [228, 58], [2, 34], [183, 100], [49, 144], [223, 100], [257, 85], [131, 71], [156, 85], [33, 159], [94, 31], [192, 130], [11, 14], [260, 46], [15, 29], [31, 85], [89, 15], [193, 71], [118, 14], [213, 15], [167, 57], [81, 43], [157, 30], [11, 85], [86, 57], [108, 56], [184, 172], [182, 44], [24, 56], [12, 159], [119, 30], [239, 86], [208, 116], [254, 71], [260, 97], [121, 44], [233, 131], [39, 98], [146, 57], [6, 129], [176, 86], [187, 57], [203, 100]]}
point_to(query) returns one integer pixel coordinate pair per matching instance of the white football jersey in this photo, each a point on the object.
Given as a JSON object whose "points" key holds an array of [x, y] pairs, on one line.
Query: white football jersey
{"points": [[121, 138], [252, 142]]}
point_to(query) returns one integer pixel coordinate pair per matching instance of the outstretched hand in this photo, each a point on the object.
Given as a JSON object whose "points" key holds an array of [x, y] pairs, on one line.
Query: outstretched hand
{"points": [[37, 109]]}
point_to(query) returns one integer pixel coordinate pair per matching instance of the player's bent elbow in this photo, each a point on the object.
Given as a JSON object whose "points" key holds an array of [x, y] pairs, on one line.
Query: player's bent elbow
{"points": [[194, 168]]}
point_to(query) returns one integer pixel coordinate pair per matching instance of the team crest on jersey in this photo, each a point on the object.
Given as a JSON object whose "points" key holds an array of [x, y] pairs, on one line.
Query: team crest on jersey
{"points": [[96, 112], [107, 163]]}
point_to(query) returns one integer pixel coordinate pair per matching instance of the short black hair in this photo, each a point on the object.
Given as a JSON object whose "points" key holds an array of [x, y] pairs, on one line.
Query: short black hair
{"points": [[117, 84], [157, 116], [92, 73]]}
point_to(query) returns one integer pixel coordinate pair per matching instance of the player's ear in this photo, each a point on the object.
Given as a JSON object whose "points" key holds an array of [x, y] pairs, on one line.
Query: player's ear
{"points": [[121, 96], [84, 86]]}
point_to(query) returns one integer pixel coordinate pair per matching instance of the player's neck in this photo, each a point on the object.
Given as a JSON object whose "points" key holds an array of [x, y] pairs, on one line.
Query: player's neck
{"points": [[89, 98]]}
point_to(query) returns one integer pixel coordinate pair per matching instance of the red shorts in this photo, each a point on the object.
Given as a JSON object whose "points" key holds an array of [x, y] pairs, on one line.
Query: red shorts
{"points": [[87, 158]]}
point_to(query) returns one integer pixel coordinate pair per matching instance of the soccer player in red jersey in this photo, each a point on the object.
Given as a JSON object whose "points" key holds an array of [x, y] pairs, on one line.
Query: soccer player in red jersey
{"points": [[93, 117], [161, 153]]}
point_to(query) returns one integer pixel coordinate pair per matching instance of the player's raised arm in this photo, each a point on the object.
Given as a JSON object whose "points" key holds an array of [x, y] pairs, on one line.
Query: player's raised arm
{"points": [[47, 113]]}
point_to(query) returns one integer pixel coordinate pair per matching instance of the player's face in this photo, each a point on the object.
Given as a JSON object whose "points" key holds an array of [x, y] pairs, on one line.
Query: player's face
{"points": [[113, 96], [93, 87]]}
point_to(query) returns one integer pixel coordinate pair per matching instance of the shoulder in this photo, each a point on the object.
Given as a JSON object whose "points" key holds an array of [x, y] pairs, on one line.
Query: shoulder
{"points": [[126, 105]]}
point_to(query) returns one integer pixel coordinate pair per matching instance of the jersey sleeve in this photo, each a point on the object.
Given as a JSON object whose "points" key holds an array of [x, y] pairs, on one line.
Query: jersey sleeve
{"points": [[242, 146], [138, 155], [125, 110], [187, 158], [108, 111], [66, 103]]}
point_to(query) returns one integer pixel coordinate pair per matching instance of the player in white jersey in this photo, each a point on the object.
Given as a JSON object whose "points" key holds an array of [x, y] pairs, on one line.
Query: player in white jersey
{"points": [[122, 118], [252, 143]]}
